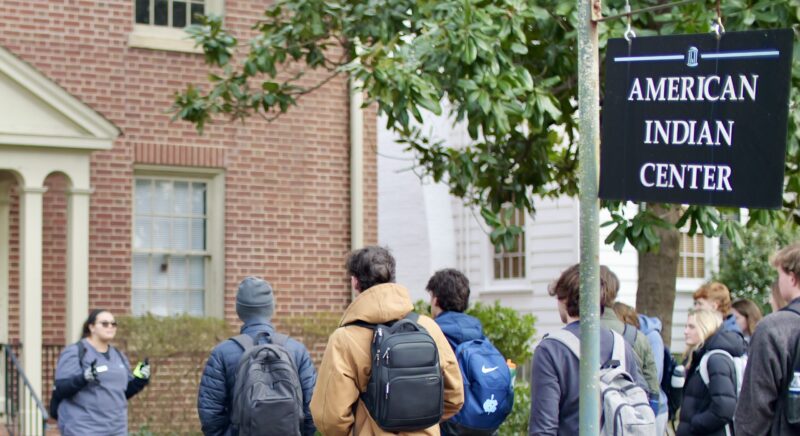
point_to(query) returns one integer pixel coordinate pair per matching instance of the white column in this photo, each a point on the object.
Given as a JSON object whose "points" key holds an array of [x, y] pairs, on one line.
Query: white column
{"points": [[77, 261], [5, 242], [30, 221]]}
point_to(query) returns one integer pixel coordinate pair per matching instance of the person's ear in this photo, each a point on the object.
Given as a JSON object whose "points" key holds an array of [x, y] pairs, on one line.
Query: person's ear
{"points": [[354, 284]]}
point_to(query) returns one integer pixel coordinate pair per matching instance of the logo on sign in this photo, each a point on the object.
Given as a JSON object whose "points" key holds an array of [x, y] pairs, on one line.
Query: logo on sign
{"points": [[691, 57]]}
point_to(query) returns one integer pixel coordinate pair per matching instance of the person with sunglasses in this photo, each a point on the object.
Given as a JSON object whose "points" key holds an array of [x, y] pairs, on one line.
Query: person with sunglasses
{"points": [[94, 381]]}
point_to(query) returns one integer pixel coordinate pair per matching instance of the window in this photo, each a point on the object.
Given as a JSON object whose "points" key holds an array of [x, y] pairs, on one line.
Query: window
{"points": [[691, 262], [511, 264], [171, 13], [171, 250], [159, 24]]}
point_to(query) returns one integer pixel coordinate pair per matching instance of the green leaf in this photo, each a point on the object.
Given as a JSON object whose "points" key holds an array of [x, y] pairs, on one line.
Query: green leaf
{"points": [[519, 48]]}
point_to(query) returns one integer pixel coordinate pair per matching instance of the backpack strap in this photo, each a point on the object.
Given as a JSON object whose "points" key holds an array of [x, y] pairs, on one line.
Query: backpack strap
{"points": [[81, 352], [411, 316], [629, 333], [244, 340], [279, 339], [570, 340], [119, 353], [618, 350], [703, 368]]}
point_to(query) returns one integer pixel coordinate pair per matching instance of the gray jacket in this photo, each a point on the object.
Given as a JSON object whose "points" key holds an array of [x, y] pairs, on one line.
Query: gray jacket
{"points": [[769, 365], [641, 350], [98, 407], [556, 383]]}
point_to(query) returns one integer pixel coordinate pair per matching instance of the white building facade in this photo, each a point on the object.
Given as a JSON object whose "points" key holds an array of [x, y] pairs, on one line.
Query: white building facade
{"points": [[427, 229]]}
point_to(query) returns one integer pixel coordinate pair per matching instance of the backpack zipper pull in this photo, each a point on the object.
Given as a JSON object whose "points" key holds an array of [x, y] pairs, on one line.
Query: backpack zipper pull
{"points": [[387, 391], [386, 355]]}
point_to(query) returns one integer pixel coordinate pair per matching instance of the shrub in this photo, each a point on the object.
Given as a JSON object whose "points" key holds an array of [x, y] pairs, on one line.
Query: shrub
{"points": [[517, 422], [509, 331], [177, 348], [746, 269], [155, 336]]}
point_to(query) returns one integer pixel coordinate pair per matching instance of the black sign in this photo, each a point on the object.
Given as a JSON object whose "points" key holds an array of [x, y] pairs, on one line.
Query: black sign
{"points": [[697, 119]]}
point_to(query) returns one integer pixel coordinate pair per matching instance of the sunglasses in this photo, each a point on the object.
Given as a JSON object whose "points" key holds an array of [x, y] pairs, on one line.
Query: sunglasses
{"points": [[107, 323]]}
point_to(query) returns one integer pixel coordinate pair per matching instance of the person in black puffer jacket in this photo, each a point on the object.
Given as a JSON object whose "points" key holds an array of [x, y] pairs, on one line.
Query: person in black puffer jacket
{"points": [[706, 410]]}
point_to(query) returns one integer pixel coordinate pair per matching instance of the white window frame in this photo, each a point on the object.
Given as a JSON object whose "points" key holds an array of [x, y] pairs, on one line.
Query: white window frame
{"points": [[154, 37], [710, 264], [513, 284], [214, 294]]}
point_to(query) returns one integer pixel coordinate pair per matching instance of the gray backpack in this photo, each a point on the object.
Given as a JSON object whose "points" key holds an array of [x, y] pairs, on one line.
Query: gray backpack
{"points": [[267, 396], [626, 409]]}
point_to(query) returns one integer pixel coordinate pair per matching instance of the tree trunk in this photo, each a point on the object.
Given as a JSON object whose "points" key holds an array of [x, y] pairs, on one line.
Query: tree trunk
{"points": [[658, 273]]}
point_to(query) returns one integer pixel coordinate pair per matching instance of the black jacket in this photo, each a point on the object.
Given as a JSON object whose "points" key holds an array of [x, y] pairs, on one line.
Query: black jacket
{"points": [[707, 409]]}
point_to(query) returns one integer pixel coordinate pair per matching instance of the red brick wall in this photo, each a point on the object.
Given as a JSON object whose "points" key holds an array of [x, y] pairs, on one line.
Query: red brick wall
{"points": [[54, 260], [287, 182]]}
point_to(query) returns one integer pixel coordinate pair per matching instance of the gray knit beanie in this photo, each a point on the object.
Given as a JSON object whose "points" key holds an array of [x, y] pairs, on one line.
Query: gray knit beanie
{"points": [[254, 299]]}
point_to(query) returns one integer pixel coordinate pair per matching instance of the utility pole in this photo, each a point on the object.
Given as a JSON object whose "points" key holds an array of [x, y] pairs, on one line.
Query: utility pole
{"points": [[589, 128]]}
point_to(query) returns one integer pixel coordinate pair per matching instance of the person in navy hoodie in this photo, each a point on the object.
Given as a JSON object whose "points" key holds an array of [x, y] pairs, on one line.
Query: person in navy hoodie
{"points": [[449, 290]]}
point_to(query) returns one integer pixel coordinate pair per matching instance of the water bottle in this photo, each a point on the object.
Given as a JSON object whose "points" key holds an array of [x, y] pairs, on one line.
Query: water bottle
{"points": [[793, 400], [678, 377], [512, 368]]}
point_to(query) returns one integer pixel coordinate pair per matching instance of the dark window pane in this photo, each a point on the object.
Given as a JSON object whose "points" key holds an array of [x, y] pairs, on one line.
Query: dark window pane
{"points": [[178, 14], [161, 13], [143, 11], [197, 9]]}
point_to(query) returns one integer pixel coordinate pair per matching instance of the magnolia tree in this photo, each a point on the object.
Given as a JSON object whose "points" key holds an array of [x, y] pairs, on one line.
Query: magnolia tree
{"points": [[506, 68]]}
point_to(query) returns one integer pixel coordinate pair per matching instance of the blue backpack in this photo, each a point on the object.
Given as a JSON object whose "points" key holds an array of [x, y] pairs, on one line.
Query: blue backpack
{"points": [[488, 393]]}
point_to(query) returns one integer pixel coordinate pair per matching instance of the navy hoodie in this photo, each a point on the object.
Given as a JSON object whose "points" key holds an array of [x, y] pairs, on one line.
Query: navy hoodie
{"points": [[459, 327]]}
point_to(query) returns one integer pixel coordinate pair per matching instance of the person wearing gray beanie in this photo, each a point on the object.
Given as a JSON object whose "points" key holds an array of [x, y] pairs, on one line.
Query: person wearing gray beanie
{"points": [[254, 300], [255, 305]]}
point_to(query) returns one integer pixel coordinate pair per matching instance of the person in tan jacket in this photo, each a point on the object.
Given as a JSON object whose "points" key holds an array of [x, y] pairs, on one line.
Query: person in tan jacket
{"points": [[346, 365]]}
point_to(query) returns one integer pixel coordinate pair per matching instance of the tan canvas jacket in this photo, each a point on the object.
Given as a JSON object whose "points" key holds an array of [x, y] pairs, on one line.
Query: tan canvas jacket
{"points": [[345, 367]]}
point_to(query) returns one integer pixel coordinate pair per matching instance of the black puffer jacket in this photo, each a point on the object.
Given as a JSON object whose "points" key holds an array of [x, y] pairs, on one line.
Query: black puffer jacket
{"points": [[706, 410]]}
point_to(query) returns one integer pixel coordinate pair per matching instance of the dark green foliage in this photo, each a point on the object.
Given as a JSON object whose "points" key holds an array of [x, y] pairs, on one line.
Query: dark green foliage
{"points": [[422, 307], [507, 68], [517, 422], [746, 269], [509, 331]]}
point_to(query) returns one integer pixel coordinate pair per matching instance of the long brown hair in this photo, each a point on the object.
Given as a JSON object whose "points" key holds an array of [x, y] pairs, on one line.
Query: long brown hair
{"points": [[750, 312], [777, 298]]}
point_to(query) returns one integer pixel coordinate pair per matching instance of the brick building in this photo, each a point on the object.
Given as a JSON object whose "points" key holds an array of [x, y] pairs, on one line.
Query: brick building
{"points": [[104, 202]]}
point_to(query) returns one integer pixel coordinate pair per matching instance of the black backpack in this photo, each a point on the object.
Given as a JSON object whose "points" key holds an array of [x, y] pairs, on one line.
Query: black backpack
{"points": [[267, 395], [405, 391], [674, 395]]}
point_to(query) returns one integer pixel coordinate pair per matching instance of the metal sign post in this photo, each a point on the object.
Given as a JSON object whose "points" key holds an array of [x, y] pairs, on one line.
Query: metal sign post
{"points": [[589, 128]]}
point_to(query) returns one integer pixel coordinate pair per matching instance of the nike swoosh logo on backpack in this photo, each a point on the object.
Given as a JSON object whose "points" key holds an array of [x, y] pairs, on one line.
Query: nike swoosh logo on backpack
{"points": [[486, 370]]}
